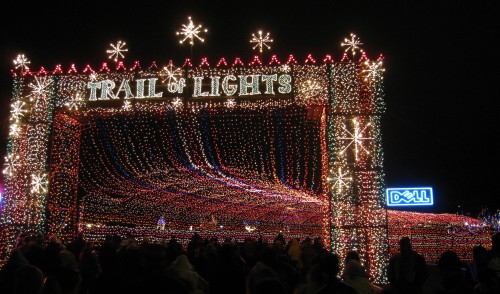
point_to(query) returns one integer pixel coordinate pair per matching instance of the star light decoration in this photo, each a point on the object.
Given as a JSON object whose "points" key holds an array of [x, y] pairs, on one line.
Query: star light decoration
{"points": [[356, 139], [352, 44], [115, 52], [340, 179], [191, 32], [261, 41], [21, 62]]}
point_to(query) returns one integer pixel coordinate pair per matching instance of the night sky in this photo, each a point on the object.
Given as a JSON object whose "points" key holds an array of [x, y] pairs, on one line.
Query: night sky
{"points": [[441, 78]]}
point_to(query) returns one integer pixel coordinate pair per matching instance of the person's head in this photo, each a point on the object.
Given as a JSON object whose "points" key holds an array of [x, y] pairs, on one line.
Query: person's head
{"points": [[405, 245], [154, 257], [318, 241], [330, 264], [352, 255], [182, 263], [354, 269], [479, 253], [449, 261]]}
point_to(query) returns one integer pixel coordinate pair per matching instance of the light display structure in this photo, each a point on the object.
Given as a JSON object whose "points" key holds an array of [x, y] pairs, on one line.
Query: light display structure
{"points": [[305, 156]]}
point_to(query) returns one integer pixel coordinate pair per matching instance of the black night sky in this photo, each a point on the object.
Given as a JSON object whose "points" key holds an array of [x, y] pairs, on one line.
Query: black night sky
{"points": [[441, 78]]}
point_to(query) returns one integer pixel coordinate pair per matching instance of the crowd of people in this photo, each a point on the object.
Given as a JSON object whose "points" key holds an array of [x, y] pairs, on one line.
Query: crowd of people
{"points": [[207, 265]]}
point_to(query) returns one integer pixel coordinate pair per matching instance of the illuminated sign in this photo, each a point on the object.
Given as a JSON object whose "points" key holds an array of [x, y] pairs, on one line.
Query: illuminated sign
{"points": [[214, 86], [409, 196]]}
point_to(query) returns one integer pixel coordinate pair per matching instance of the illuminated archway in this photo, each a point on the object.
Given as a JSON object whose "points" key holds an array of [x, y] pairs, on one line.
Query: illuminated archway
{"points": [[233, 150]]}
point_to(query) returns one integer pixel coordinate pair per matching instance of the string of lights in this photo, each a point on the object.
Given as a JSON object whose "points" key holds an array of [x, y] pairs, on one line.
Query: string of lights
{"points": [[175, 149]]}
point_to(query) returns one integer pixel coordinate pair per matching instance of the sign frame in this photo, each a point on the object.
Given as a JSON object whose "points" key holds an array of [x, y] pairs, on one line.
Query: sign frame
{"points": [[416, 196]]}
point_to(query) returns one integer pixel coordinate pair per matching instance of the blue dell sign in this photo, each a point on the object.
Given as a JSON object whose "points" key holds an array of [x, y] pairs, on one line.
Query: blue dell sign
{"points": [[409, 196]]}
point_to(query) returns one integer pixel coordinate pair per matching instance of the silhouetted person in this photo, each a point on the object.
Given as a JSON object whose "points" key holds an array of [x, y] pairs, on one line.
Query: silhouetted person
{"points": [[230, 272], [494, 256], [7, 275], [319, 249], [329, 266], [182, 270], [307, 255], [89, 267], [76, 246], [108, 277], [479, 263], [293, 251], [355, 275], [68, 276], [407, 270], [451, 275], [259, 273], [174, 249], [281, 263], [314, 281]]}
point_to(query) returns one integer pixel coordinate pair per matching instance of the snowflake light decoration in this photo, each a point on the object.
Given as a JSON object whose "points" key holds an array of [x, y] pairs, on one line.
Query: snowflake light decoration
{"points": [[230, 103], [93, 77], [340, 180], [373, 70], [14, 130], [170, 73], [115, 52], [286, 68], [11, 164], [177, 102], [352, 44], [39, 183], [261, 41], [310, 88], [356, 139], [40, 87], [127, 105], [74, 103], [21, 62], [191, 32], [17, 110]]}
